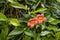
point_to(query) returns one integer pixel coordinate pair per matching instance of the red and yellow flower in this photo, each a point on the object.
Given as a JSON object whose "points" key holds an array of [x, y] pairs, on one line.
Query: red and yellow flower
{"points": [[32, 22], [38, 20], [41, 18]]}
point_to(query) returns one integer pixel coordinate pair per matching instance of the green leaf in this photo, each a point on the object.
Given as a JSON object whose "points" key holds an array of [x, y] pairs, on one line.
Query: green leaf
{"points": [[58, 0], [44, 38], [12, 1], [18, 5], [15, 4], [39, 10], [31, 34], [48, 38], [51, 27], [15, 32], [57, 35], [37, 37], [30, 2], [26, 38], [4, 33], [43, 33], [3, 17], [43, 26], [53, 21], [14, 22]]}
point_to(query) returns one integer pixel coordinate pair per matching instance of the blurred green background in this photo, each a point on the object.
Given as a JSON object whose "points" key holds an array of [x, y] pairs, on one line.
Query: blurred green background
{"points": [[14, 15]]}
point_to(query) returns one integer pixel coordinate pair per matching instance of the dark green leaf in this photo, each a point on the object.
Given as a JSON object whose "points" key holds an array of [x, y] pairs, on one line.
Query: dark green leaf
{"points": [[4, 33], [26, 38]]}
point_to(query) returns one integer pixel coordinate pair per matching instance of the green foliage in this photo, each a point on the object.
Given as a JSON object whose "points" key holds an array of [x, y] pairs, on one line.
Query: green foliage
{"points": [[15, 14], [57, 35], [39, 10], [14, 22], [3, 17], [15, 32], [17, 5], [53, 21]]}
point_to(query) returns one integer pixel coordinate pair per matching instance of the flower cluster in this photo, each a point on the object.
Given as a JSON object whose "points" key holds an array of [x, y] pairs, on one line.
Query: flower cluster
{"points": [[38, 20]]}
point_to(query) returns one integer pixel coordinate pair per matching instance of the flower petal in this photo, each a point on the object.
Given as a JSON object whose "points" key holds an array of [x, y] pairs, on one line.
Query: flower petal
{"points": [[40, 15], [28, 24], [32, 26], [32, 19], [44, 19], [40, 22], [32, 22]]}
